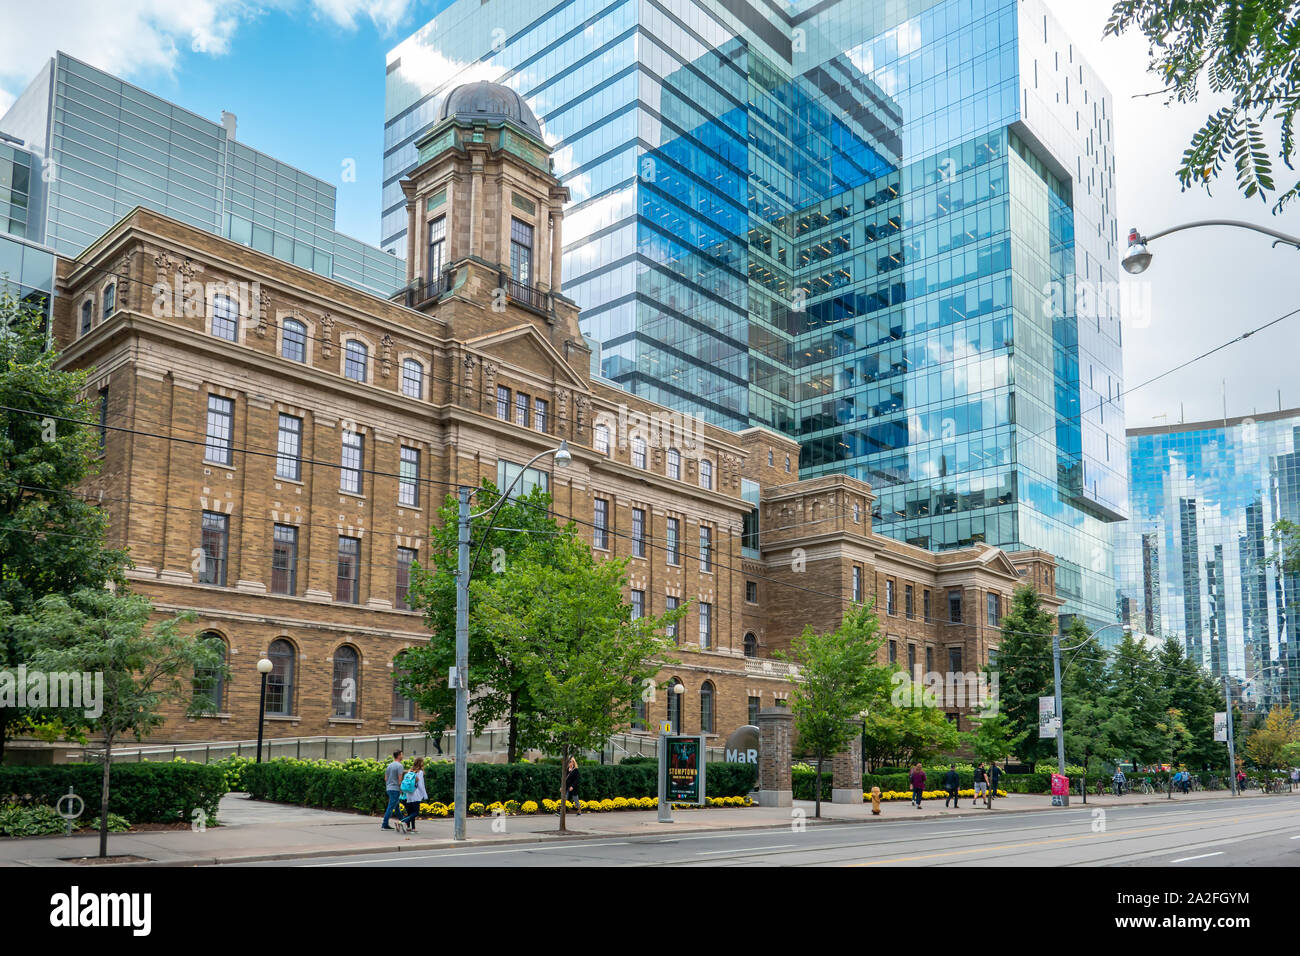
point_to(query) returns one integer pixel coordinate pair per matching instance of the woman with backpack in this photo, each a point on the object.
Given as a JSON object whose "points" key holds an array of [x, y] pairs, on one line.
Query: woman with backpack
{"points": [[412, 793]]}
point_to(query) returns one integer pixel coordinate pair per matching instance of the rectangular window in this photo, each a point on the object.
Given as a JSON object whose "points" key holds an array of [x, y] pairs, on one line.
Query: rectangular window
{"points": [[215, 537], [994, 610], [706, 549], [674, 541], [706, 625], [601, 439], [405, 558], [521, 409], [284, 559], [503, 403], [749, 531], [347, 585], [437, 247], [600, 520], [225, 318], [521, 251], [857, 585], [408, 481], [638, 532], [533, 478], [103, 418], [293, 342], [754, 703], [889, 598], [954, 607], [350, 472], [929, 659], [221, 429], [87, 314], [751, 592], [540, 421], [638, 605], [911, 658], [706, 474], [638, 452], [288, 448], [412, 379], [926, 611], [909, 600], [671, 604], [893, 652], [954, 660], [674, 464], [110, 300]]}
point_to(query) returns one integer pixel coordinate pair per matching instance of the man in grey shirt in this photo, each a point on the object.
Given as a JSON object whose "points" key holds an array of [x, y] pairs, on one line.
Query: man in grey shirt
{"points": [[393, 783]]}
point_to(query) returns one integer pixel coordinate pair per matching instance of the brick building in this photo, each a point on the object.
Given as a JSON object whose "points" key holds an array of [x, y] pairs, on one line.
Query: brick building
{"points": [[276, 444]]}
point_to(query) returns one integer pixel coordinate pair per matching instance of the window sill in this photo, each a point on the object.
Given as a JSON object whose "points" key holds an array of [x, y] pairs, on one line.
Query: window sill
{"points": [[218, 464], [210, 716], [291, 481], [283, 718], [351, 721], [403, 723], [353, 494]]}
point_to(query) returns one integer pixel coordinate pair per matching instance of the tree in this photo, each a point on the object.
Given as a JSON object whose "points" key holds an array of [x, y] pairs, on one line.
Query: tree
{"points": [[557, 614], [1246, 50], [837, 680], [903, 726], [497, 688], [100, 632], [1266, 747], [1025, 669], [51, 537], [993, 738], [1091, 724], [1139, 696], [1193, 693]]}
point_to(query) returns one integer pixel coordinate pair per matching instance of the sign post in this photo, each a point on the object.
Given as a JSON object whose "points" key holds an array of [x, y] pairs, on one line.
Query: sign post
{"points": [[681, 772]]}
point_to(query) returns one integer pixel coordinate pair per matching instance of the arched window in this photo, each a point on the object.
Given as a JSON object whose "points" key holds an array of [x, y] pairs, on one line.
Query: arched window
{"points": [[345, 682], [279, 683], [638, 452], [751, 645], [110, 299], [403, 706], [675, 705], [209, 682], [225, 318], [412, 378], [293, 342], [87, 314], [356, 358], [706, 708], [674, 464], [601, 440]]}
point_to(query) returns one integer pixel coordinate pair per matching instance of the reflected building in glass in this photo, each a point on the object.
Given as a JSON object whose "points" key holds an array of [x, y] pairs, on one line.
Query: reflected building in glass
{"points": [[103, 147], [1192, 561], [883, 229], [26, 263]]}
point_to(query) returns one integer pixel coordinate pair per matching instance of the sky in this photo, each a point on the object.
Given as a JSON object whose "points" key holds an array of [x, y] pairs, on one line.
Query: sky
{"points": [[306, 80]]}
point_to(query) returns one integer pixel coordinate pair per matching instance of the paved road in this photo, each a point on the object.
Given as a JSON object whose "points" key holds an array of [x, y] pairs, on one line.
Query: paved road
{"points": [[1258, 833]]}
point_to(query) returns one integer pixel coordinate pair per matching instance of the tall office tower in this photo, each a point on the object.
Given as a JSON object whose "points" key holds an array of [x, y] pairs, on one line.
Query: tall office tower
{"points": [[106, 146], [1208, 495], [880, 228], [26, 264]]}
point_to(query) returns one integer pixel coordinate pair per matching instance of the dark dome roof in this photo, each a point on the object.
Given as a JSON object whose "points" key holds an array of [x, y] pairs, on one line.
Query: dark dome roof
{"points": [[489, 101]]}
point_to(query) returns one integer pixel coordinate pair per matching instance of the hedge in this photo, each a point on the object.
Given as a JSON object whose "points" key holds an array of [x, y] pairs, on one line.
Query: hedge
{"points": [[359, 784], [804, 779], [141, 792]]}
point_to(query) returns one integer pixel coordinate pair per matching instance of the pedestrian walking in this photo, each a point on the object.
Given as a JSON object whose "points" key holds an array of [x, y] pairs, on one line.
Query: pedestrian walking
{"points": [[1241, 780], [918, 785], [981, 783], [393, 784], [1119, 781], [571, 786], [1295, 777], [413, 793], [951, 783], [995, 774]]}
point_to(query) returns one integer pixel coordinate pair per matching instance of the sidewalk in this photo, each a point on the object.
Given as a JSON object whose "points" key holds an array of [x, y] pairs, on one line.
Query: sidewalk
{"points": [[253, 830]]}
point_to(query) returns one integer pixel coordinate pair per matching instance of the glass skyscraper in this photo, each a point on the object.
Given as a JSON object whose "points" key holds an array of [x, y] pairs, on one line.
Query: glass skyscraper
{"points": [[870, 226], [26, 264], [104, 147], [1192, 560]]}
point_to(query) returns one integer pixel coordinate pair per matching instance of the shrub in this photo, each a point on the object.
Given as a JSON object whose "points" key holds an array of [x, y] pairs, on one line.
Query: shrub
{"points": [[16, 821], [140, 792]]}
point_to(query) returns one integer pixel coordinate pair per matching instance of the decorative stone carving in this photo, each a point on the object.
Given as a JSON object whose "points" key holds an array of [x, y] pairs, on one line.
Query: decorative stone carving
{"points": [[327, 335], [124, 278], [467, 377], [263, 305], [386, 344], [561, 409], [583, 404]]}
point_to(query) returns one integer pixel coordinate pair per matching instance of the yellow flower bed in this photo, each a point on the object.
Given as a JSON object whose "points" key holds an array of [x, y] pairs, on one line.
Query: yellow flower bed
{"points": [[925, 794], [530, 807]]}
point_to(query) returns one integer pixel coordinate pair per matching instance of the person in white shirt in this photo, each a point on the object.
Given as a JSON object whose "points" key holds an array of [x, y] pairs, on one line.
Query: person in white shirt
{"points": [[413, 796]]}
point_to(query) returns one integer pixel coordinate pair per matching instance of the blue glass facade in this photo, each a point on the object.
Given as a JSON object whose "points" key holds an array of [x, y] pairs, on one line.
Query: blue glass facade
{"points": [[26, 266], [865, 225], [1192, 560], [107, 146]]}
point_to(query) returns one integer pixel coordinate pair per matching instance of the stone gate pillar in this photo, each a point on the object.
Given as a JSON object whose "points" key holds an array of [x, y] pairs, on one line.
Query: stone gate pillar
{"points": [[775, 736], [846, 769]]}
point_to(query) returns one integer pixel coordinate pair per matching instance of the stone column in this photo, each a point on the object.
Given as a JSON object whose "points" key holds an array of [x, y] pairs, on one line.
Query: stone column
{"points": [[775, 734], [846, 769], [557, 245]]}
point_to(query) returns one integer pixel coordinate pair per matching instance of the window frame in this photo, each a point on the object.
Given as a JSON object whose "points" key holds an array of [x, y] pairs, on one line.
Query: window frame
{"points": [[293, 332], [351, 348], [224, 309], [281, 457], [225, 445], [355, 562], [292, 569], [214, 568], [355, 472], [409, 363], [408, 486], [600, 524]]}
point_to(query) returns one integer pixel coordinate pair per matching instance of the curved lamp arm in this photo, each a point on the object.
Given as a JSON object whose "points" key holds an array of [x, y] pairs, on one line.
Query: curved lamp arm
{"points": [[1235, 223], [562, 458]]}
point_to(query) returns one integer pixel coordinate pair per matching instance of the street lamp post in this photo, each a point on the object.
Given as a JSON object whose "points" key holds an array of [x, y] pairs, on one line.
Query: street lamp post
{"points": [[264, 667], [1056, 678], [1138, 257], [460, 677]]}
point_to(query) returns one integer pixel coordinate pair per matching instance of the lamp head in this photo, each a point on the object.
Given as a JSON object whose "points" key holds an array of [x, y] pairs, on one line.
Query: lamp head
{"points": [[563, 457], [679, 688], [1138, 257], [264, 666]]}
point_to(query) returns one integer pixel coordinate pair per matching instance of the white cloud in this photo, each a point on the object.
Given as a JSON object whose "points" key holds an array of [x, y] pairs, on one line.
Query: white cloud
{"points": [[386, 15]]}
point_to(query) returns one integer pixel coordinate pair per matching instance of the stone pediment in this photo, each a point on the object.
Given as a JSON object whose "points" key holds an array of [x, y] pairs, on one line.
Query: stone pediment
{"points": [[996, 559], [524, 347]]}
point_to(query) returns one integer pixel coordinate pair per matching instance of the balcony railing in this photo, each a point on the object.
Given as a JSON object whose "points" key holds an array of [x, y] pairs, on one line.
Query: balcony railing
{"points": [[526, 295], [419, 292]]}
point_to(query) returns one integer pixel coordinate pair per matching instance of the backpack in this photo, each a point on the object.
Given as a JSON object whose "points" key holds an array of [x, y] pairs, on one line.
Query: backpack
{"points": [[408, 782]]}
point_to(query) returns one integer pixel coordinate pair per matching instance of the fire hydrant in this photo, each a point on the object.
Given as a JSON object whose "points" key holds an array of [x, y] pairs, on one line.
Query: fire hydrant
{"points": [[875, 800]]}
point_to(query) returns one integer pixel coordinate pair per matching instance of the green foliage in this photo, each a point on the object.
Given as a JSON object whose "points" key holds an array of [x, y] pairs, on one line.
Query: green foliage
{"points": [[1025, 670], [142, 792], [994, 738], [17, 821], [359, 785], [1140, 698], [1245, 50], [1093, 724], [1267, 747]]}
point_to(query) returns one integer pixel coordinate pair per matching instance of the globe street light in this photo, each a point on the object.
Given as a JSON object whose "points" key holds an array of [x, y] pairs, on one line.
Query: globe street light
{"points": [[264, 667], [1138, 257], [460, 675]]}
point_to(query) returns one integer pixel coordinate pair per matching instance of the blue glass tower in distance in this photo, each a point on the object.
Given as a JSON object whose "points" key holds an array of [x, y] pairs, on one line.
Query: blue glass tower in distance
{"points": [[1192, 562], [884, 229]]}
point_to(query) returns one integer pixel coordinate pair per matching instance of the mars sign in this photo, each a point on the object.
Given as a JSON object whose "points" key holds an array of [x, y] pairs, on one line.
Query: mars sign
{"points": [[742, 745]]}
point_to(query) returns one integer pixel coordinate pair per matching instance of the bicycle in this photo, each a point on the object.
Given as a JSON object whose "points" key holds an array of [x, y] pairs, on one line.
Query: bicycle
{"points": [[1147, 788]]}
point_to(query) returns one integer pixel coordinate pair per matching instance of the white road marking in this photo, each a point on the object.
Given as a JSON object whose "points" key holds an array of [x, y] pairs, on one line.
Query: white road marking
{"points": [[1199, 856], [541, 844], [747, 849]]}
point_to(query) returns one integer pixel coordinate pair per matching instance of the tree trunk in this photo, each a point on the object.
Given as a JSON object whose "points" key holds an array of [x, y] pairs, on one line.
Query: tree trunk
{"points": [[1085, 779], [512, 739], [564, 790], [818, 791], [103, 797], [4, 731]]}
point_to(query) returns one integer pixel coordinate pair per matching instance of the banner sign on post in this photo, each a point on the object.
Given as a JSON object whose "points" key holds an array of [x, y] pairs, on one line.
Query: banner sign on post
{"points": [[1046, 717], [684, 770], [1221, 726], [1060, 790]]}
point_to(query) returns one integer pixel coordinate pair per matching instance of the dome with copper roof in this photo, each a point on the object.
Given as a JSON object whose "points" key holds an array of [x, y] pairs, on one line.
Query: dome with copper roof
{"points": [[491, 102]]}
